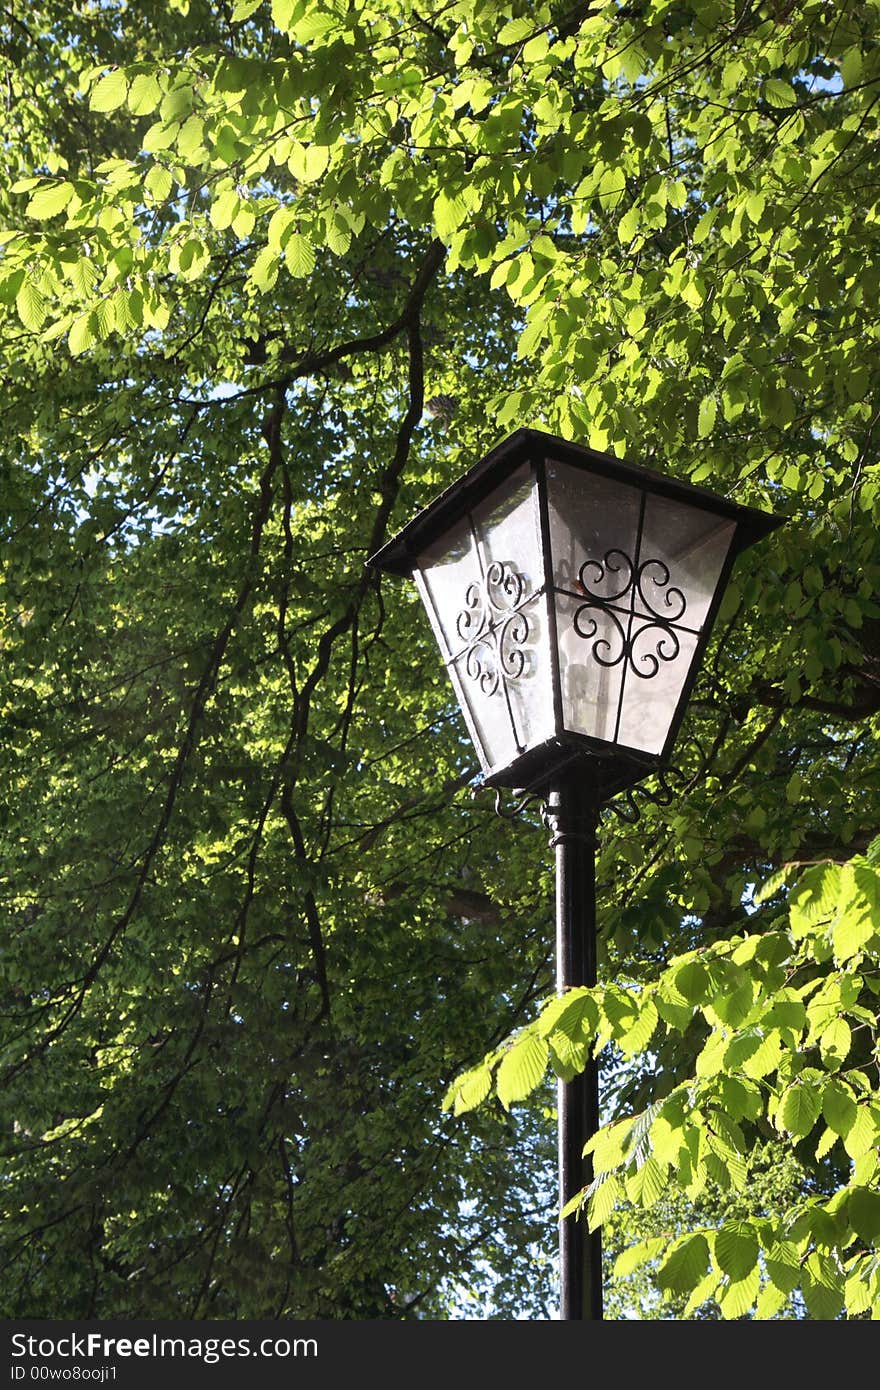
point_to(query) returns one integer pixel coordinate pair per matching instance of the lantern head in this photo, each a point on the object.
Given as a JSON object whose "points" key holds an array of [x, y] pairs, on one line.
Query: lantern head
{"points": [[572, 596]]}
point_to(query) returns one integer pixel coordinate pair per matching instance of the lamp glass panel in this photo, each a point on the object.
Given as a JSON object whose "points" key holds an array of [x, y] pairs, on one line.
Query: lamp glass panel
{"points": [[482, 583], [449, 568], [524, 650], [589, 641], [481, 694], [590, 517], [655, 672], [682, 554], [637, 574], [507, 525]]}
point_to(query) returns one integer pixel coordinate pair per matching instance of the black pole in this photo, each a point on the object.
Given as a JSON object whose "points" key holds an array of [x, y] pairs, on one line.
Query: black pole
{"points": [[573, 814]]}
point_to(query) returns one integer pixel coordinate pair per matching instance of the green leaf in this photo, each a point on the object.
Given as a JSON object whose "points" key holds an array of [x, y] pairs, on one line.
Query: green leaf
{"points": [[858, 1289], [779, 93], [815, 897], [104, 318], [299, 254], [637, 1255], [338, 235], [562, 1063], [144, 94], [189, 138], [765, 1058], [312, 26], [863, 1210], [674, 1014], [800, 1109], [530, 337], [704, 226], [450, 212], [308, 162], [835, 1043], [575, 1014], [193, 258], [822, 1287], [839, 1109], [568, 1038], [224, 208], [692, 982], [177, 106], [244, 9], [604, 1193], [608, 1145], [783, 1266], [514, 31], [129, 308], [281, 225], [733, 1009], [244, 221], [472, 1088], [49, 200], [772, 885], [56, 329], [736, 1248], [636, 1038], [826, 1142], [706, 417], [158, 183], [83, 277], [852, 66], [574, 1205], [31, 306], [629, 225], [536, 49], [858, 910], [110, 92], [264, 271], [648, 1184], [685, 1265], [862, 1134], [701, 1294], [741, 1099], [676, 194], [755, 205], [10, 286], [740, 1295], [522, 1068], [82, 334]]}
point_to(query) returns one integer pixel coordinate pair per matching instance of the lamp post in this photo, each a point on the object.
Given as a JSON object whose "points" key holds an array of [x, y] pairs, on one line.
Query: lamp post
{"points": [[572, 596]]}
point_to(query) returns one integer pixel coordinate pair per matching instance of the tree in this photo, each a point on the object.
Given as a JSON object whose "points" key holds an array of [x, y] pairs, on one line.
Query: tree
{"points": [[271, 276]]}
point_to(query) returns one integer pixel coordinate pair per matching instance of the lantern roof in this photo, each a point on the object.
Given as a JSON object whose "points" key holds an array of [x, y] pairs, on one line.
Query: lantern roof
{"points": [[399, 555]]}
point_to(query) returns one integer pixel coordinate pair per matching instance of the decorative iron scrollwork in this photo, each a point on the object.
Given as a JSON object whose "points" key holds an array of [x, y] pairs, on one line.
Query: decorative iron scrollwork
{"points": [[634, 627], [494, 628], [626, 805]]}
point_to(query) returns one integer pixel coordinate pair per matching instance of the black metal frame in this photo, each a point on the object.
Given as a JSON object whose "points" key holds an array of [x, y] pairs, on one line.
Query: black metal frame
{"points": [[576, 774]]}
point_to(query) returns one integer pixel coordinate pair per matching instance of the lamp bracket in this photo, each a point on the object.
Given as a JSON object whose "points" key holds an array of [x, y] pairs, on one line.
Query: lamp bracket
{"points": [[625, 805], [512, 812]]}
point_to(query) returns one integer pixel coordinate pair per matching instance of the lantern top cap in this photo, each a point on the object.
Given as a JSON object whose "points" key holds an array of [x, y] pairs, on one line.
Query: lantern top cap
{"points": [[399, 555]]}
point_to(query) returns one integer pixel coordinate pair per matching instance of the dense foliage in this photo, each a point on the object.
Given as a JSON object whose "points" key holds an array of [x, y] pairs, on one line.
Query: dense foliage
{"points": [[271, 275], [785, 1038]]}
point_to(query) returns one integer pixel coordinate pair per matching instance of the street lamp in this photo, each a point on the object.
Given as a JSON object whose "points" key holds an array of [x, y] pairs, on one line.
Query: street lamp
{"points": [[572, 596]]}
